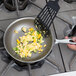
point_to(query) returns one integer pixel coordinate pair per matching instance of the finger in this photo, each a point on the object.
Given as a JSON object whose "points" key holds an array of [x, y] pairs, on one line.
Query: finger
{"points": [[74, 39], [73, 47], [66, 37]]}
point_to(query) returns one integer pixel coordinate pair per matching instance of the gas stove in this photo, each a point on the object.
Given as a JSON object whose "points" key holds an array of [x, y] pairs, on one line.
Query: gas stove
{"points": [[26, 67], [56, 62], [12, 4]]}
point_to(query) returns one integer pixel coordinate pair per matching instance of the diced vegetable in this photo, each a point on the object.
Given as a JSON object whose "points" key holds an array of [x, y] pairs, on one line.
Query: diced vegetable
{"points": [[30, 42], [39, 36], [31, 29], [15, 31], [37, 32], [15, 49], [18, 42], [39, 52], [23, 29], [45, 45], [35, 51]]}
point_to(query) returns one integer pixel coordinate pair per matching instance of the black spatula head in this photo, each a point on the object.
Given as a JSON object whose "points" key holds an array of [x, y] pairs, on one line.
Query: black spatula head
{"points": [[45, 18]]}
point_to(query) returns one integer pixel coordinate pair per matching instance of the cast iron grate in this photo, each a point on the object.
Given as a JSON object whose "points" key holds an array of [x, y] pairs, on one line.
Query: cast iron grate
{"points": [[20, 67]]}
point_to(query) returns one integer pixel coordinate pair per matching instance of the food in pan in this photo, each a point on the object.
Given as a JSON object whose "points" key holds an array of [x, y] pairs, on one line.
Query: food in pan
{"points": [[30, 42], [15, 31], [23, 29], [45, 45]]}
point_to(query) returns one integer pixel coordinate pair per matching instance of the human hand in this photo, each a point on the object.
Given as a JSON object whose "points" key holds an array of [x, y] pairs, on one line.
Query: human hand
{"points": [[71, 46]]}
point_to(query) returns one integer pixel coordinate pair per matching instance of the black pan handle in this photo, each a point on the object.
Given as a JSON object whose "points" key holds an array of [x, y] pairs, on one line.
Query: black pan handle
{"points": [[1, 39]]}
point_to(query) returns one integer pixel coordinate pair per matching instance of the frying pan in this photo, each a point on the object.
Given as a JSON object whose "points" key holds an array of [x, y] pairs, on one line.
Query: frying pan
{"points": [[10, 38]]}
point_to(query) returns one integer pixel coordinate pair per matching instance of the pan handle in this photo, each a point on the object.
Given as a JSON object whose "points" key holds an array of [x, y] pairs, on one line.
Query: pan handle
{"points": [[1, 39], [66, 41]]}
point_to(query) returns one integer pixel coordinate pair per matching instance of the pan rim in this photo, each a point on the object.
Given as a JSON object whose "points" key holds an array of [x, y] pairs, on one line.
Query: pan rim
{"points": [[15, 57]]}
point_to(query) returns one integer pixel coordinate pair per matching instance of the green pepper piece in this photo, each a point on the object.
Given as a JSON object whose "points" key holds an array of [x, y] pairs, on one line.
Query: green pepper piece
{"points": [[15, 49]]}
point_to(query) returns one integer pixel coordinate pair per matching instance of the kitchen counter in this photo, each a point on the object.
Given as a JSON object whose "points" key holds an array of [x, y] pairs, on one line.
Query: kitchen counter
{"points": [[73, 73]]}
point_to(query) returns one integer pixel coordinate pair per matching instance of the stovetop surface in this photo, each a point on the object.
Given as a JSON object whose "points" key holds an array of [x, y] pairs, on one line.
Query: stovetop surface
{"points": [[46, 69], [60, 55]]}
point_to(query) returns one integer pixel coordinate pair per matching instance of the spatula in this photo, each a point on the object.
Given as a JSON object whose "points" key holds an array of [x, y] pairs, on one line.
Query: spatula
{"points": [[45, 18]]}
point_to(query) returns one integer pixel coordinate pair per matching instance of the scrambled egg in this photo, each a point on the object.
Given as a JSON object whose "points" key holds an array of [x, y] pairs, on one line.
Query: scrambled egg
{"points": [[30, 42], [23, 29], [15, 31]]}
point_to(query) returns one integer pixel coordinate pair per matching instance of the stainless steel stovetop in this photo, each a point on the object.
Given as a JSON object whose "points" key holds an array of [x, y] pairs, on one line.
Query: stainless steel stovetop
{"points": [[60, 56]]}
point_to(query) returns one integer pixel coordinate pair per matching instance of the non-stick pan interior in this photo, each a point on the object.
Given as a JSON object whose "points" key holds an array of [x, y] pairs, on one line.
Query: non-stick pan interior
{"points": [[10, 40]]}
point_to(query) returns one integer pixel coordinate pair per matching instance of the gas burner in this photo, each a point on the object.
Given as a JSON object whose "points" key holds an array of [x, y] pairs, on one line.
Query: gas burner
{"points": [[5, 57], [10, 4], [1, 1], [13, 5], [25, 67], [19, 66]]}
